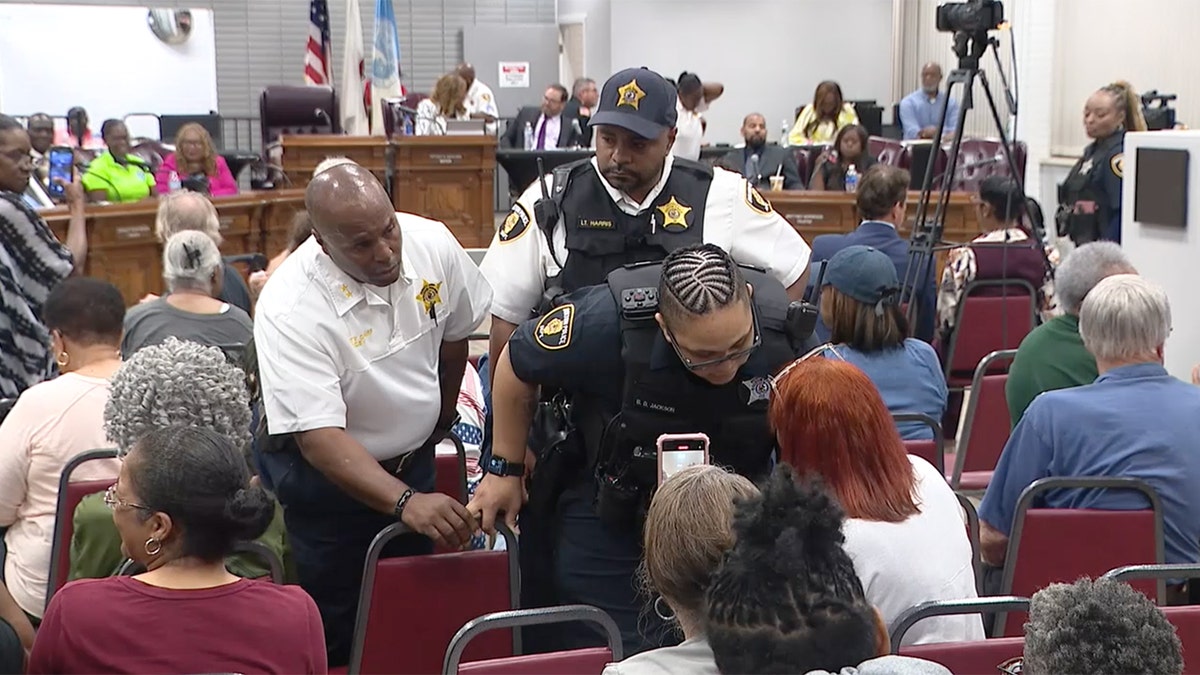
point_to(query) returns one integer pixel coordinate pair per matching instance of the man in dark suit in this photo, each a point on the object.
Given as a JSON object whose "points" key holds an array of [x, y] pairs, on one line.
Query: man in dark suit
{"points": [[759, 161], [584, 97], [882, 201], [550, 127]]}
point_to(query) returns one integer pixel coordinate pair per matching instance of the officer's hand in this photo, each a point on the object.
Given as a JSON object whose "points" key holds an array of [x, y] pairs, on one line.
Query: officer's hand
{"points": [[495, 494], [1196, 374], [439, 517]]}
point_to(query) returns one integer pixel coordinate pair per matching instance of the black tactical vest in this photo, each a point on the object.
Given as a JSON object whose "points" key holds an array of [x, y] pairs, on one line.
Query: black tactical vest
{"points": [[1085, 183], [601, 237], [672, 400]]}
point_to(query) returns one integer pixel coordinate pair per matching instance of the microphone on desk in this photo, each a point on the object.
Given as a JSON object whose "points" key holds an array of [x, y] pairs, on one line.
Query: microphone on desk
{"points": [[405, 109], [998, 159], [320, 114]]}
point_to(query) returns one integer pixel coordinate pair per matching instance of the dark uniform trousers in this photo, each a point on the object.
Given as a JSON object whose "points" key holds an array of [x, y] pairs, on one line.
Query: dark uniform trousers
{"points": [[329, 533]]}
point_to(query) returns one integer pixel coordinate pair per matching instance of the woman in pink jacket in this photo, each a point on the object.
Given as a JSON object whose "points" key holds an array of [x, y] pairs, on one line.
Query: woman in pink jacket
{"points": [[195, 159]]}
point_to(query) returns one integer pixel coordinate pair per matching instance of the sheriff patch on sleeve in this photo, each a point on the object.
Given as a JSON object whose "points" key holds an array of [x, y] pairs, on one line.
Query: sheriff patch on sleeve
{"points": [[1118, 165], [554, 330], [756, 201], [515, 224]]}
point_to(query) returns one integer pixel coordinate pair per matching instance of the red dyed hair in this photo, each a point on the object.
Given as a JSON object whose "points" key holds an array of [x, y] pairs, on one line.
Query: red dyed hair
{"points": [[830, 421]]}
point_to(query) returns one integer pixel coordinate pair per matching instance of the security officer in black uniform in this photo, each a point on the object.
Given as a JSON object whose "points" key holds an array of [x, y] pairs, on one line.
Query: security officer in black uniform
{"points": [[632, 202], [1089, 201], [683, 346]]}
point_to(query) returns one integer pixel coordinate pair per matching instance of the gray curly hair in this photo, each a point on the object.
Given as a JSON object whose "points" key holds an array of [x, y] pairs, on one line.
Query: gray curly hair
{"points": [[1100, 626], [177, 383]]}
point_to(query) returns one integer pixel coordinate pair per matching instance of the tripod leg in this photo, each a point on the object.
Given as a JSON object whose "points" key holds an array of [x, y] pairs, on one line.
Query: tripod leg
{"points": [[1006, 148]]}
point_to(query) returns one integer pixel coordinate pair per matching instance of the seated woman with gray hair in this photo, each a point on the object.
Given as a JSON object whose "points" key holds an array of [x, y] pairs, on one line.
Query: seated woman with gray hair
{"points": [[192, 270], [174, 383]]}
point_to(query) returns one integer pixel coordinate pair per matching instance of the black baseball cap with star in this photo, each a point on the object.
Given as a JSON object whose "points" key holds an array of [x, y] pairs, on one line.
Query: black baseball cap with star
{"points": [[637, 99]]}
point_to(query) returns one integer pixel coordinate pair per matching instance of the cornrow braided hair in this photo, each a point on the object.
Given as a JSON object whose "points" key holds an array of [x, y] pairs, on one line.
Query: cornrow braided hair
{"points": [[700, 278]]}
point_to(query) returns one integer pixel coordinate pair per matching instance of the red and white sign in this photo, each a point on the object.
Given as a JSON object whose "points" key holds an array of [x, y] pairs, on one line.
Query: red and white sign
{"points": [[514, 74]]}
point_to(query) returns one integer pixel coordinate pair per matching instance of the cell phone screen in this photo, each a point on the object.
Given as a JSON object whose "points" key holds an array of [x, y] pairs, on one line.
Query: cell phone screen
{"points": [[676, 454], [61, 161]]}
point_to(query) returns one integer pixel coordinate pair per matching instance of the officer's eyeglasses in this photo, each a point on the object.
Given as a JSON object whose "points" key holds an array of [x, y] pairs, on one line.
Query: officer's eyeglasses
{"points": [[694, 365], [828, 347]]}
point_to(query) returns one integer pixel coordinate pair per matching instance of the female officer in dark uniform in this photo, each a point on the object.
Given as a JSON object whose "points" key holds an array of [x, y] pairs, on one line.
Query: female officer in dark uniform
{"points": [[1090, 199]]}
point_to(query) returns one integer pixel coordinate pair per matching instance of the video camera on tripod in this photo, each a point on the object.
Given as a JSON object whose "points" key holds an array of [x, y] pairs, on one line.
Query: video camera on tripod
{"points": [[1161, 116], [974, 16]]}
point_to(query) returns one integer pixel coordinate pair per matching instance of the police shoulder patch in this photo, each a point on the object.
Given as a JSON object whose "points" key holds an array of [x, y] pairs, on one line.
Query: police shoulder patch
{"points": [[1118, 164], [756, 201], [555, 329], [515, 224]]}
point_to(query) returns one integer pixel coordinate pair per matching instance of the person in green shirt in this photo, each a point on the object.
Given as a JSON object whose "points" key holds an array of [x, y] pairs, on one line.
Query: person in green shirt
{"points": [[116, 175], [1052, 356]]}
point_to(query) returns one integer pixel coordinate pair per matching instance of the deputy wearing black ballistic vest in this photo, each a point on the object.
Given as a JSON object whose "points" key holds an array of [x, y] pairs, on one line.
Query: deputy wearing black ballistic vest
{"points": [[632, 202], [682, 346]]}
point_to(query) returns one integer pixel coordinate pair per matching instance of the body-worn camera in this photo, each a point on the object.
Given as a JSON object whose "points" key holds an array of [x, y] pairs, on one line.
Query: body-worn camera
{"points": [[974, 16]]}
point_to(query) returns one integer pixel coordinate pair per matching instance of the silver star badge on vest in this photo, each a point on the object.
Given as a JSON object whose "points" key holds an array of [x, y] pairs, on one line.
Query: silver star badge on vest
{"points": [[760, 389]]}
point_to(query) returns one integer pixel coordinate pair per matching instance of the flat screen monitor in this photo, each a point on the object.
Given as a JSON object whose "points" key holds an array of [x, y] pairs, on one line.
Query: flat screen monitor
{"points": [[1160, 187]]}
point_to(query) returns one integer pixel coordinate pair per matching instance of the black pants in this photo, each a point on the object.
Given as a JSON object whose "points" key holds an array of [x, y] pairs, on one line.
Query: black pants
{"points": [[329, 533], [597, 565]]}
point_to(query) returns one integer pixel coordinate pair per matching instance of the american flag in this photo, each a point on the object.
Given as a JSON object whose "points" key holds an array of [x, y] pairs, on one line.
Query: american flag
{"points": [[319, 53]]}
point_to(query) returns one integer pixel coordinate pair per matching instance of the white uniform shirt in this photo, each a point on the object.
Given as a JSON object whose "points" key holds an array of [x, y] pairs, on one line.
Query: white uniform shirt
{"points": [[333, 352], [480, 99], [519, 265], [689, 131]]}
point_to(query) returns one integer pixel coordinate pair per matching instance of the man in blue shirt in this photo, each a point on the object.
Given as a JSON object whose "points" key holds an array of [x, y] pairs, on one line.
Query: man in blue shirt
{"points": [[1134, 421], [920, 111]]}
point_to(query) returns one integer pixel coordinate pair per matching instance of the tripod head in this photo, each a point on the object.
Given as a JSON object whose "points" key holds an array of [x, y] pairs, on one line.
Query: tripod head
{"points": [[970, 47]]}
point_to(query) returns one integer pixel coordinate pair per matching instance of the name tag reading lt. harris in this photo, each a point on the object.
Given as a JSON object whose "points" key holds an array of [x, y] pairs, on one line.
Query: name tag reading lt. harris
{"points": [[592, 224]]}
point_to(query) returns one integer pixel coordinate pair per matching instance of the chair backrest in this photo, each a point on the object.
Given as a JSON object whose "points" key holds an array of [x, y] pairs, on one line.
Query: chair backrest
{"points": [[973, 535], [994, 315], [978, 656], [266, 555], [452, 471], [410, 608], [927, 610], [1165, 571], [887, 150], [169, 125], [286, 109], [987, 424], [1187, 626], [69, 496], [590, 660], [1051, 545], [931, 450]]}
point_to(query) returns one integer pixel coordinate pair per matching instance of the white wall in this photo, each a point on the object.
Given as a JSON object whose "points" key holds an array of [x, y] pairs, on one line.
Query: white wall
{"points": [[1168, 255], [597, 34], [769, 54]]}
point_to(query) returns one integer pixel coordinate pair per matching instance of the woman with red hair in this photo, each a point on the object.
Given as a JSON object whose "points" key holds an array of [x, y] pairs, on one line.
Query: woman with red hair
{"points": [[904, 529]]}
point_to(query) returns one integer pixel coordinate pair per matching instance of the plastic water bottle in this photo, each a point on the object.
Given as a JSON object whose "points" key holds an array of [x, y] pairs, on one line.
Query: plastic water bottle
{"points": [[174, 182], [783, 138], [851, 179], [408, 125], [528, 136]]}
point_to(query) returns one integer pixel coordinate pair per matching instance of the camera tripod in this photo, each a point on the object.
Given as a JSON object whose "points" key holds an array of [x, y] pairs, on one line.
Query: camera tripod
{"points": [[926, 238]]}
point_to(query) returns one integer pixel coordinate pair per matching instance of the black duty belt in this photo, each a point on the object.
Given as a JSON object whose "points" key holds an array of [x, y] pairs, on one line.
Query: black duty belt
{"points": [[397, 465]]}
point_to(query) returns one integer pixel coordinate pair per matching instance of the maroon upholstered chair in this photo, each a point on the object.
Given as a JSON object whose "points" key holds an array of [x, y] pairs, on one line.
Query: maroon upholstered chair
{"points": [[1187, 625], [806, 159], [586, 661], [1049, 546], [927, 610], [887, 150], [930, 450], [286, 109], [993, 315], [979, 656], [452, 471], [982, 157], [986, 426], [410, 608], [973, 536], [69, 496]]}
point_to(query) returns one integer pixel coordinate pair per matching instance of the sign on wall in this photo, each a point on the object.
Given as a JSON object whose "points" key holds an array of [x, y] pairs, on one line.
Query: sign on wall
{"points": [[514, 74]]}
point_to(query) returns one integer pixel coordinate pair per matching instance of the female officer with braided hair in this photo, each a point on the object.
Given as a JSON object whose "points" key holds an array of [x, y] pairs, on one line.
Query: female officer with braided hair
{"points": [[683, 346]]}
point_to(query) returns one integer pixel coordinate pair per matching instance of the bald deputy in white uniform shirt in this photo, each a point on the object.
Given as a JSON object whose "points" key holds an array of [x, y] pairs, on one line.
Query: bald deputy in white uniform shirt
{"points": [[361, 337], [480, 102], [634, 127]]}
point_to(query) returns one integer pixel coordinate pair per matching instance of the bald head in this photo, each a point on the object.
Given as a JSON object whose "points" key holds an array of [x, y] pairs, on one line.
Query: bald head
{"points": [[467, 72], [931, 78], [186, 210], [355, 223]]}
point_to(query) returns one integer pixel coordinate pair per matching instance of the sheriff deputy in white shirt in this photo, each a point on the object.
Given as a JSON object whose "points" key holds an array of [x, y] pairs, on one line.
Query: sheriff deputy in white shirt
{"points": [[361, 337], [632, 202], [481, 102]]}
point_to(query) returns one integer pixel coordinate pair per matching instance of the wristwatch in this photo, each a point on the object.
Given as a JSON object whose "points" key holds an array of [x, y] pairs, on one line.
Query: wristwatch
{"points": [[498, 466]]}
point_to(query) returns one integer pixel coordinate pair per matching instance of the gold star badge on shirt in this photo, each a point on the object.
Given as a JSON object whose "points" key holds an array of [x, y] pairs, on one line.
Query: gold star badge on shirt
{"points": [[674, 215], [430, 296], [630, 94]]}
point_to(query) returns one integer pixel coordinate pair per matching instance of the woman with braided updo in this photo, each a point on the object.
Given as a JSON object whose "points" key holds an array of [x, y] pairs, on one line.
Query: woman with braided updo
{"points": [[683, 346], [193, 272]]}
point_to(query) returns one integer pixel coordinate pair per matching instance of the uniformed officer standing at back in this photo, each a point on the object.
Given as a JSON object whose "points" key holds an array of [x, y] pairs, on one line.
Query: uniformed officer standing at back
{"points": [[632, 202], [1089, 200], [683, 346]]}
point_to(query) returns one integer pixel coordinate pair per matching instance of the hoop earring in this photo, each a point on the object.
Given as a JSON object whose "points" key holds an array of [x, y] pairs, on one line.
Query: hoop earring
{"points": [[659, 610], [62, 359], [156, 544]]}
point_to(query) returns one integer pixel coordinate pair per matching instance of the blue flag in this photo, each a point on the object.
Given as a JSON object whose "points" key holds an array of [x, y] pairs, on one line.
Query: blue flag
{"points": [[385, 62]]}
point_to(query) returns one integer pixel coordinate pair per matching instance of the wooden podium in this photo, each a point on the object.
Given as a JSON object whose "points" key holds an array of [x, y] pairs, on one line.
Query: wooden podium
{"points": [[451, 179], [302, 154]]}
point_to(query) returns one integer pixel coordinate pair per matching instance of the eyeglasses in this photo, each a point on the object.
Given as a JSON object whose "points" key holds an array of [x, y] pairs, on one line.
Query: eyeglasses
{"points": [[733, 356], [1011, 666], [112, 501], [819, 349]]}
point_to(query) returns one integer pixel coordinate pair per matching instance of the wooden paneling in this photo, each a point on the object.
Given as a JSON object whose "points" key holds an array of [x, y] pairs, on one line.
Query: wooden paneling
{"points": [[451, 179], [122, 247], [302, 154]]}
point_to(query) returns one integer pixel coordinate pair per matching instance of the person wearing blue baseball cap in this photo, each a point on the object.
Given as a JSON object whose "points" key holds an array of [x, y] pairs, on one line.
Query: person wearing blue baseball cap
{"points": [[860, 303]]}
